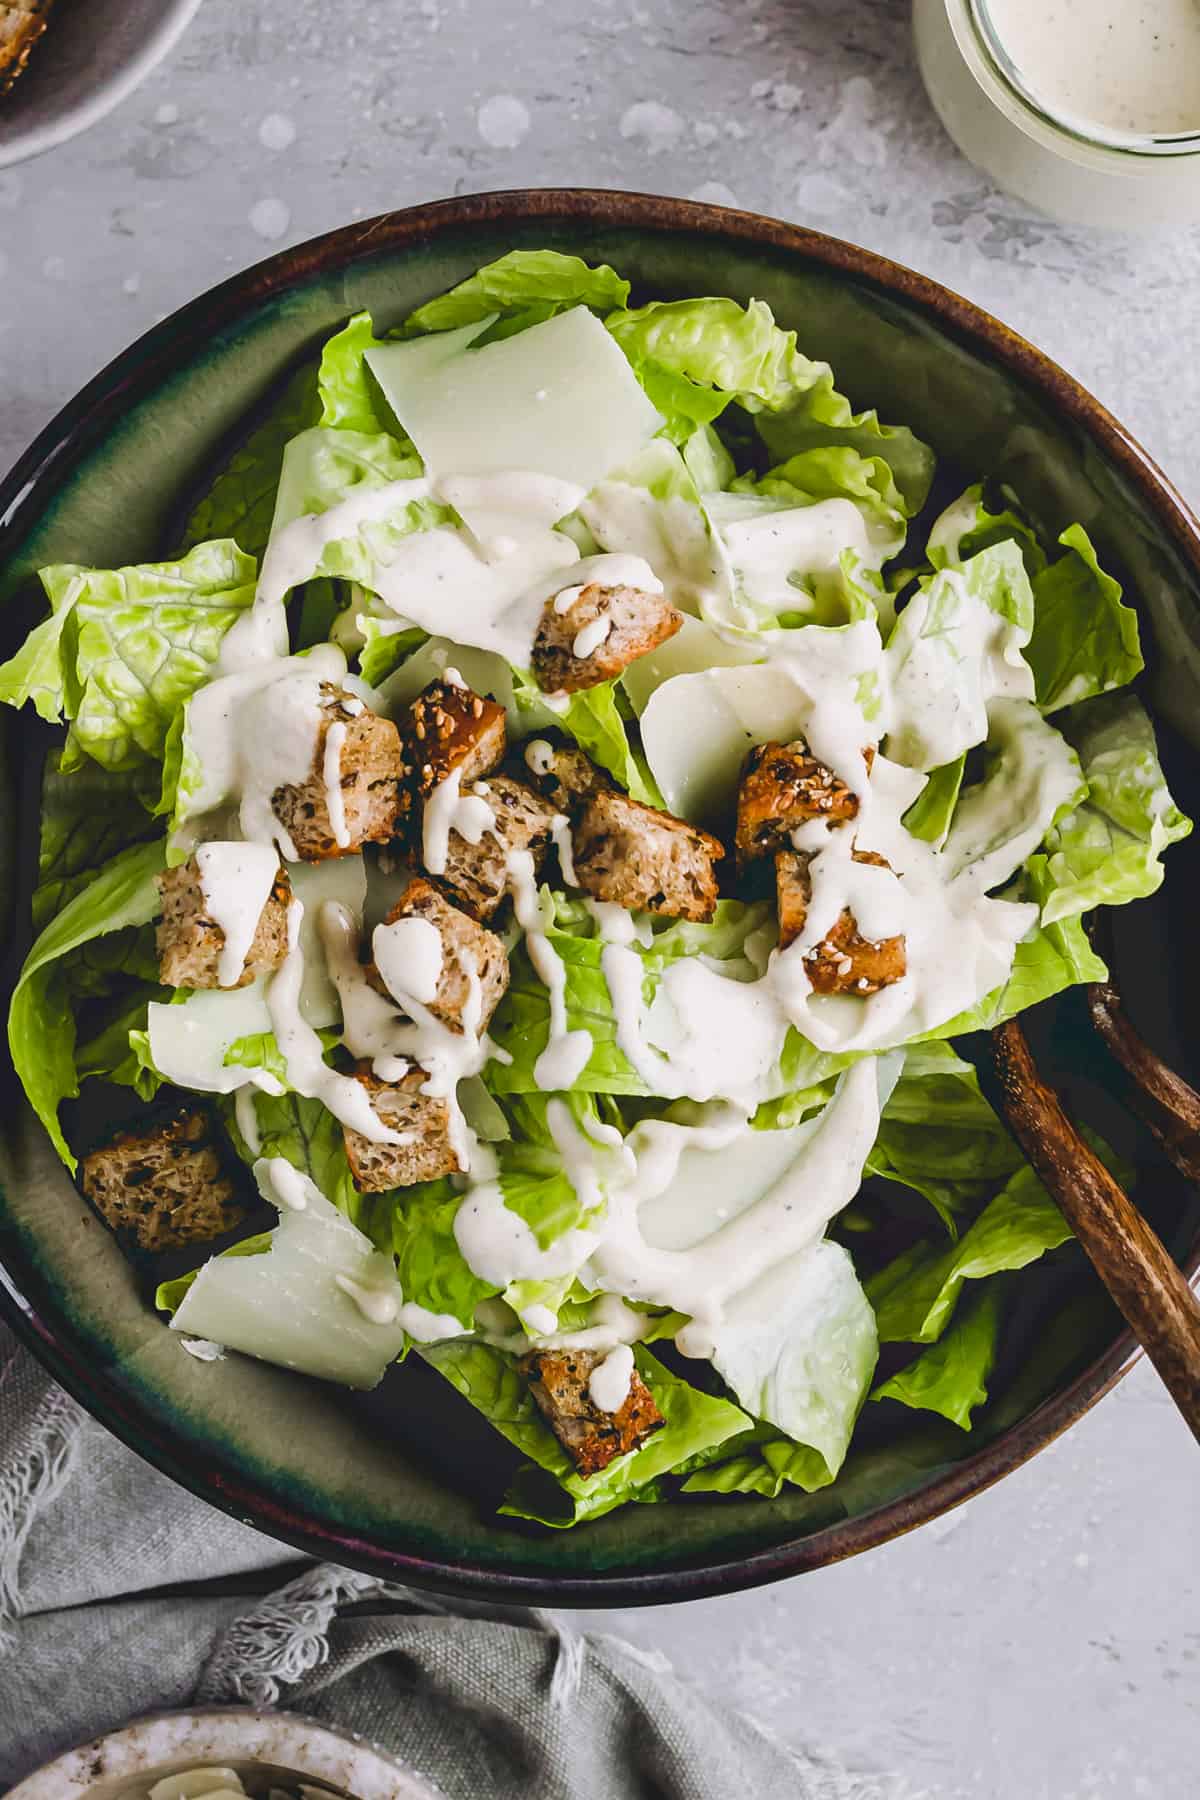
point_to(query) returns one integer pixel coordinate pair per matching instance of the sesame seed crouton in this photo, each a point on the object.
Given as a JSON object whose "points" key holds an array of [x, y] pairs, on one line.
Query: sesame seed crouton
{"points": [[782, 787], [476, 875], [451, 728], [402, 1106], [468, 949], [372, 770], [645, 860], [843, 962], [558, 1381], [565, 775], [163, 1187], [598, 634], [190, 943]]}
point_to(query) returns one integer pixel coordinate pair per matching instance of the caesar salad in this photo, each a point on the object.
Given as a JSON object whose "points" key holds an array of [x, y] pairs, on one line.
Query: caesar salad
{"points": [[536, 846]]}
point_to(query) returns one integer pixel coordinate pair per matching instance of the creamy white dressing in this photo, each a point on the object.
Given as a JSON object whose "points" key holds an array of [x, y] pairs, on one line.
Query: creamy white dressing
{"points": [[1113, 63], [560, 833], [331, 772], [448, 810], [609, 1381], [589, 638], [565, 601], [249, 733], [236, 880], [778, 555], [672, 535], [245, 1108], [566, 1055], [378, 1305], [288, 1186], [409, 955], [397, 1033], [539, 757], [303, 1053]]}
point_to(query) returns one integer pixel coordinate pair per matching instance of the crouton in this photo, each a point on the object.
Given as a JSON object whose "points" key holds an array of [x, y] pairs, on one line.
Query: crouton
{"points": [[558, 1381], [565, 775], [404, 1108], [476, 875], [451, 729], [645, 860], [843, 962], [589, 634], [469, 953], [190, 942], [22, 23], [370, 771], [164, 1187], [782, 787]]}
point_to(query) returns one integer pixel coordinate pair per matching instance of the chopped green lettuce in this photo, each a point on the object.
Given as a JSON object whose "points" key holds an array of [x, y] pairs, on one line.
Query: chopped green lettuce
{"points": [[950, 1376], [322, 467], [308, 1137], [1085, 640], [41, 1020], [123, 649], [346, 396], [930, 814], [939, 1136], [1109, 849], [527, 285]]}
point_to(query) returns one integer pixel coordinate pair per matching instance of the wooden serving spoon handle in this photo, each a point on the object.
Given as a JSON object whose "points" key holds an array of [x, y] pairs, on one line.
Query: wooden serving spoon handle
{"points": [[1130, 1260], [1165, 1101]]}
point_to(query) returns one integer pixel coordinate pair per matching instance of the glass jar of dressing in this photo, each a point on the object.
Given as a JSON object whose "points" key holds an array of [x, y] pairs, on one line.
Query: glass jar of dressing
{"points": [[1089, 109]]}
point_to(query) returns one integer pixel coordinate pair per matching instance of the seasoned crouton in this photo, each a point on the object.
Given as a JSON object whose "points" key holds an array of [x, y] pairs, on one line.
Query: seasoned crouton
{"points": [[565, 775], [558, 1381], [470, 954], [451, 729], [22, 23], [476, 875], [843, 962], [589, 634], [782, 787], [163, 1187], [645, 860], [367, 771], [404, 1108], [190, 942]]}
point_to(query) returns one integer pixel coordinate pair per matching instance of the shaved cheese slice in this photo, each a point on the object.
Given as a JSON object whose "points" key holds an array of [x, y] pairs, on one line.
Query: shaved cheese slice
{"points": [[557, 400], [287, 1306], [696, 730]]}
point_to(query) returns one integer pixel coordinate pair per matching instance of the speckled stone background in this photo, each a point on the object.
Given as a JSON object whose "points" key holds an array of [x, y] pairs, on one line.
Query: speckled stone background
{"points": [[1042, 1643]]}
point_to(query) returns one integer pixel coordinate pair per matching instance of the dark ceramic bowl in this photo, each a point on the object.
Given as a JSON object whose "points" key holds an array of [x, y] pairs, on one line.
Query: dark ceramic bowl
{"points": [[399, 1481]]}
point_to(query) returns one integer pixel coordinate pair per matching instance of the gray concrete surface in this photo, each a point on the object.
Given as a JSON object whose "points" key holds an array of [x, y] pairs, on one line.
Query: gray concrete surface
{"points": [[1044, 1642]]}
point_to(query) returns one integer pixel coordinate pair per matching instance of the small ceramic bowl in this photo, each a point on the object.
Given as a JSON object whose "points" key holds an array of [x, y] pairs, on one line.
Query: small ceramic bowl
{"points": [[258, 1746], [91, 58], [404, 1482]]}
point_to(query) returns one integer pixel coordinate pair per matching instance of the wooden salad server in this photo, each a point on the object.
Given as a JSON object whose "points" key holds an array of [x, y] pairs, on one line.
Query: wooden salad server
{"points": [[1132, 1262]]}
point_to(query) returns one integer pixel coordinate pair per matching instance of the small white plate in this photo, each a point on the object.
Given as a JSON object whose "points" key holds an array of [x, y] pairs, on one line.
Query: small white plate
{"points": [[279, 1744], [88, 60]]}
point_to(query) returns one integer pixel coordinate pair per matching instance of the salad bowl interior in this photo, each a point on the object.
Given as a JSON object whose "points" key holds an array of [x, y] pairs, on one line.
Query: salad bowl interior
{"points": [[391, 1480]]}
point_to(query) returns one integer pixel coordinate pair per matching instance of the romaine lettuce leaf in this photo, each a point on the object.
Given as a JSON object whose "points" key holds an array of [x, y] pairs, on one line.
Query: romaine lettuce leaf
{"points": [[118, 1051], [950, 1377], [1085, 640], [939, 1136], [956, 647], [306, 1135], [87, 816], [1051, 958], [798, 1349], [837, 472], [521, 1026], [345, 395], [969, 525], [930, 814], [1109, 849], [123, 649], [41, 1021], [593, 718], [323, 466], [525, 284], [1033, 777], [915, 1296]]}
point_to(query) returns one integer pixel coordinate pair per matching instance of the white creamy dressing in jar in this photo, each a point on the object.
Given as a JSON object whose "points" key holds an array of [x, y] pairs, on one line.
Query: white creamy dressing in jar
{"points": [[1126, 65], [236, 880]]}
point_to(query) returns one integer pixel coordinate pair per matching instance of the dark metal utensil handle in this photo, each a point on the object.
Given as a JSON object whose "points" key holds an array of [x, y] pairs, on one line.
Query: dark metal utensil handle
{"points": [[1129, 1258]]}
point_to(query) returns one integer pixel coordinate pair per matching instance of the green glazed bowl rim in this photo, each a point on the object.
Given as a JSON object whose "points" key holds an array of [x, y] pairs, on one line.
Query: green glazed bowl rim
{"points": [[184, 335]]}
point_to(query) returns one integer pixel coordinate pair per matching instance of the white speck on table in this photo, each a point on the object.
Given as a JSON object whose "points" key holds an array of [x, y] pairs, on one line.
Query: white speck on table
{"points": [[1043, 1642]]}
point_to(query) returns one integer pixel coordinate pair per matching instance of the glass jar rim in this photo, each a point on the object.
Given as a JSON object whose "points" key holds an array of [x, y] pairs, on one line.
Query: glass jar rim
{"points": [[1084, 131]]}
